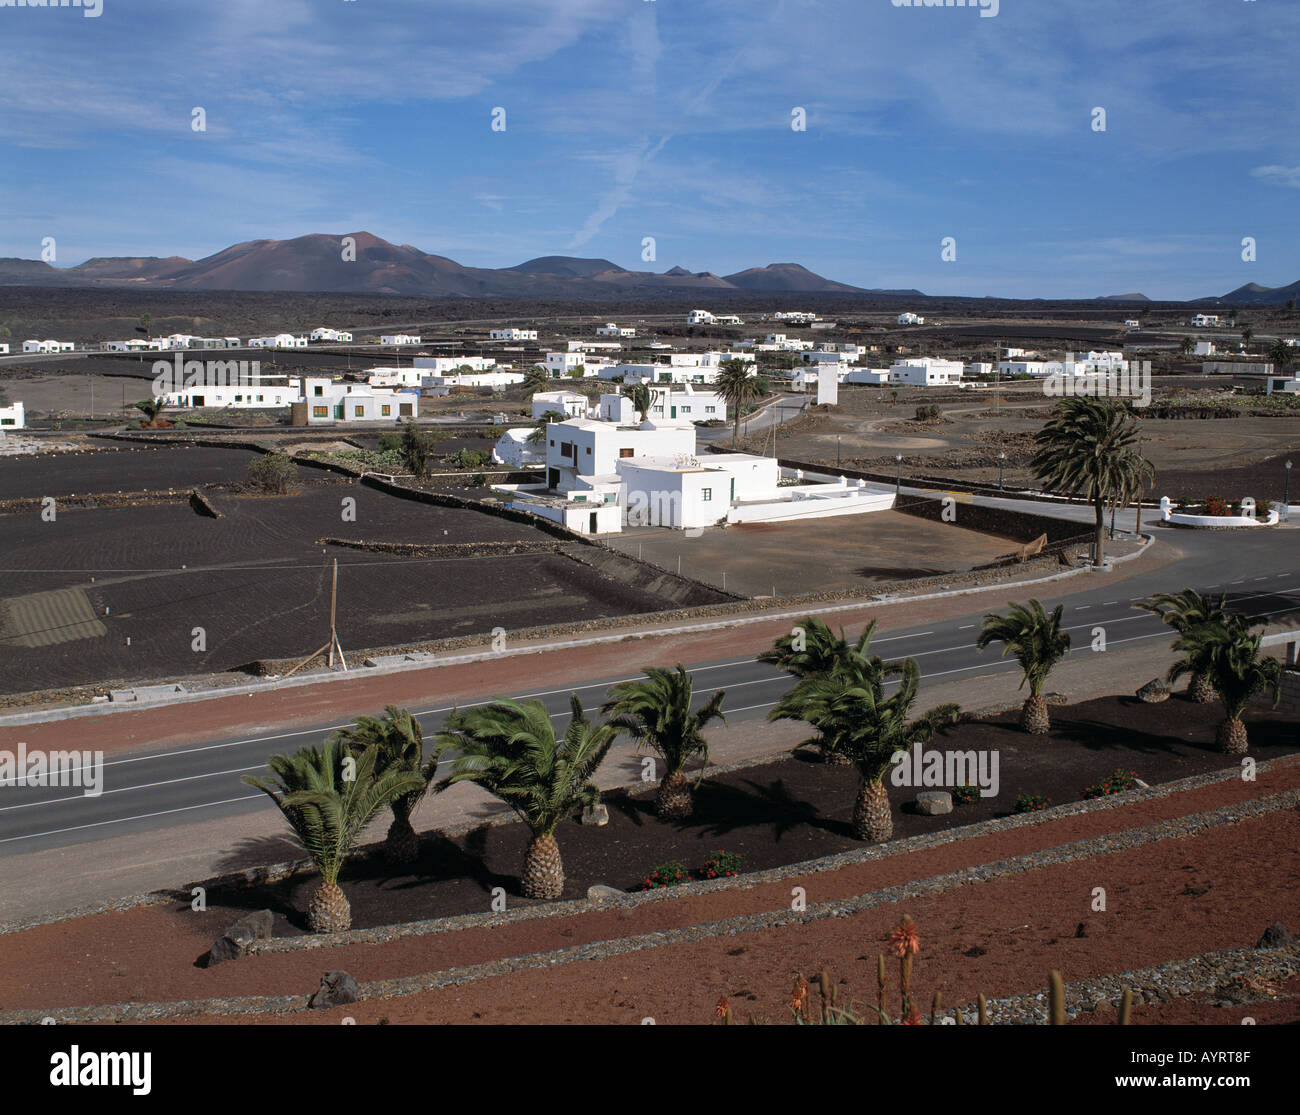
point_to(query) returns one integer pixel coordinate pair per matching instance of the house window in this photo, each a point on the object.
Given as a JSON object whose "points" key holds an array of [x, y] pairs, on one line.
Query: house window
{"points": [[710, 410], [386, 410], [552, 443], [706, 494], [358, 412], [320, 412], [589, 451], [320, 390], [625, 452], [259, 398], [566, 449], [686, 410]]}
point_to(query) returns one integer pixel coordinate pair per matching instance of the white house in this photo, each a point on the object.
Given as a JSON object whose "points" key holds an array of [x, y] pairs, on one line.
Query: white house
{"points": [[323, 334], [979, 368], [1288, 385], [609, 329], [1133, 323], [329, 402], [925, 371], [726, 319], [594, 346], [679, 367], [492, 377], [518, 449], [259, 391], [674, 402], [440, 365], [49, 346], [699, 317], [1204, 348], [4, 349], [1210, 321], [788, 344], [398, 339], [867, 375], [567, 363], [514, 334], [13, 417], [795, 317], [571, 404], [910, 318], [280, 340]]}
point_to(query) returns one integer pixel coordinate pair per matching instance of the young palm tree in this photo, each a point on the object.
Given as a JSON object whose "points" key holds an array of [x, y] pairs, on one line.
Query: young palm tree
{"points": [[736, 385], [151, 409], [539, 429], [853, 718], [1247, 334], [510, 749], [1184, 611], [328, 794], [1229, 653], [813, 650], [657, 714], [1087, 450], [639, 393], [1037, 641], [1281, 354], [399, 745], [536, 379], [1188, 346]]}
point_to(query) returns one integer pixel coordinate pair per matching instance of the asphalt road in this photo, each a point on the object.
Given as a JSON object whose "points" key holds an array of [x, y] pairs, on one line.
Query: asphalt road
{"points": [[155, 790]]}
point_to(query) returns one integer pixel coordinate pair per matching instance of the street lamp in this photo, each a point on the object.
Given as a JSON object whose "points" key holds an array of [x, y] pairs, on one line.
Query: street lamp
{"points": [[837, 450], [1002, 460], [898, 477], [1286, 493]]}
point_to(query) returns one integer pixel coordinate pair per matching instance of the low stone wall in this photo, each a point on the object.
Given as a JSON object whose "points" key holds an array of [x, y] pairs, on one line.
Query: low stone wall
{"points": [[34, 504], [996, 520], [449, 549]]}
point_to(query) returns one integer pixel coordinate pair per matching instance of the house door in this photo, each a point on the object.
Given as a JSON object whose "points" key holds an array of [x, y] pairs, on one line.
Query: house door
{"points": [[733, 489], [552, 477], [338, 412], [591, 529]]}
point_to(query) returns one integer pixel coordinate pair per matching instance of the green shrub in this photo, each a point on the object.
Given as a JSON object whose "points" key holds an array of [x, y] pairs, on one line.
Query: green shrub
{"points": [[670, 874], [965, 795], [1031, 803], [721, 864], [1116, 782], [271, 473]]}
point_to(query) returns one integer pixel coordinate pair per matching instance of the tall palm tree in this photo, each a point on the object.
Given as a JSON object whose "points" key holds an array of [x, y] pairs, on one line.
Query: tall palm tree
{"points": [[1037, 641], [1087, 449], [1247, 334], [737, 385], [1183, 611], [657, 714], [328, 794], [1228, 651], [510, 749], [399, 745], [639, 393], [1281, 354], [853, 718]]}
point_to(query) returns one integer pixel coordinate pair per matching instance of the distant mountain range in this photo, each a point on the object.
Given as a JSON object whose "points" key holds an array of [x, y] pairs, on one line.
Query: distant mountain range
{"points": [[316, 264]]}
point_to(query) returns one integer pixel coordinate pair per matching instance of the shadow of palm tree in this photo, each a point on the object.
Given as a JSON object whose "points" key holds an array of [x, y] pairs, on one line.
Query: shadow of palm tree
{"points": [[1097, 736], [721, 809], [260, 851]]}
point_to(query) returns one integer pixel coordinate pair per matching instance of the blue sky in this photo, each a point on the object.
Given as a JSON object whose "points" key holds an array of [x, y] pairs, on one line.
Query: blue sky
{"points": [[672, 119]]}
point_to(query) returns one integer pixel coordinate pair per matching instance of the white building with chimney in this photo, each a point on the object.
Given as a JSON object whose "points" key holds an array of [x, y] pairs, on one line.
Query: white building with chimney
{"points": [[329, 403]]}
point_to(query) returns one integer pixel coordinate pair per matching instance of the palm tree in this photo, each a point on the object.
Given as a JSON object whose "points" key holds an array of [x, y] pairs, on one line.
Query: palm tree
{"points": [[1247, 334], [536, 379], [399, 745], [639, 393], [1281, 354], [152, 409], [1229, 652], [328, 795], [1037, 641], [1188, 346], [657, 714], [737, 386], [854, 719], [813, 650], [539, 429], [1184, 611], [1087, 450], [509, 748]]}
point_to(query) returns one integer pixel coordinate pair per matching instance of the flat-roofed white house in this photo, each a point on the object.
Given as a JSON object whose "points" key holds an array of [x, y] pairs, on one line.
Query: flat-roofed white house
{"points": [[910, 318], [1205, 321], [726, 319], [679, 367], [49, 346], [925, 371], [1133, 323], [513, 334], [4, 348], [601, 474], [259, 391], [329, 403], [396, 377], [699, 317], [1203, 348], [520, 448], [13, 417], [567, 364], [324, 334], [571, 404], [1287, 384], [674, 402], [280, 340], [867, 375], [441, 365], [795, 317], [610, 329], [492, 377], [398, 339]]}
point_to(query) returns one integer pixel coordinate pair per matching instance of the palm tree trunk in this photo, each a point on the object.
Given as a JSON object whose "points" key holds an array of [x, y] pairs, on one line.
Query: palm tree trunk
{"points": [[329, 910], [1099, 535], [402, 845], [1201, 689], [1034, 716], [873, 819], [1231, 736], [543, 869], [674, 801]]}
